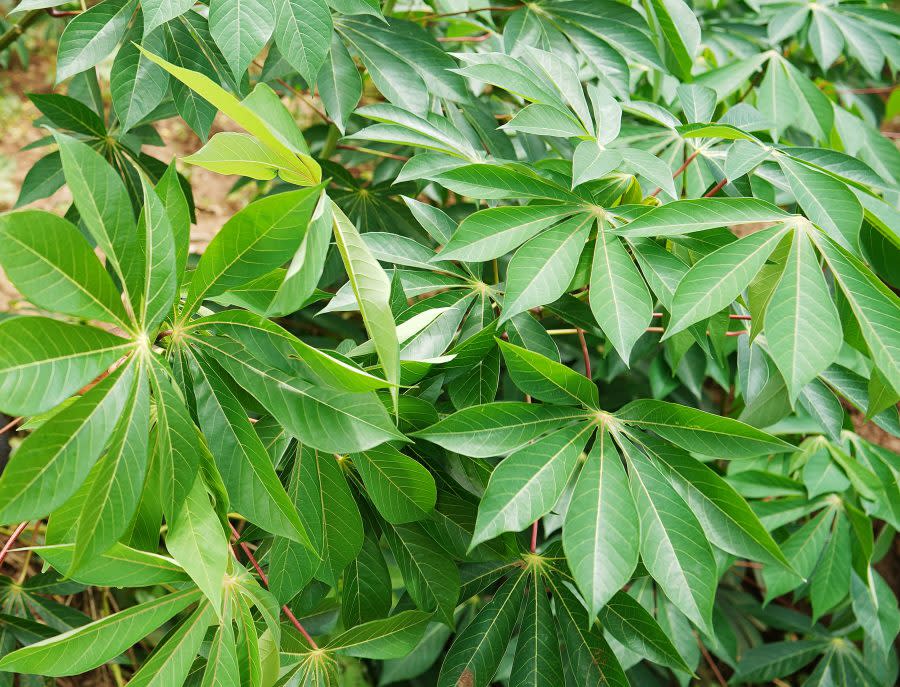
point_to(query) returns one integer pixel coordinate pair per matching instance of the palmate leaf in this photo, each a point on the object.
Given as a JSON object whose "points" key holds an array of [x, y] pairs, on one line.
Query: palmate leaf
{"points": [[547, 380], [383, 639], [688, 216], [537, 661]]}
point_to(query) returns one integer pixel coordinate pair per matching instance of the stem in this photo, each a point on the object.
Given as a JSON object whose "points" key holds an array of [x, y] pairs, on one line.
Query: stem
{"points": [[585, 354], [433, 17], [12, 540], [14, 32], [715, 189], [372, 151], [534, 534], [265, 580], [9, 425], [712, 664], [678, 172]]}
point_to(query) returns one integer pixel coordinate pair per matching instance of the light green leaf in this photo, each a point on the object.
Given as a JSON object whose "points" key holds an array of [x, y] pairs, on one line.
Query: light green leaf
{"points": [[339, 84], [120, 566], [601, 536], [136, 84], [156, 246], [689, 216], [169, 665], [158, 12], [591, 161], [494, 232], [830, 582], [372, 289], [874, 306], [94, 644], [803, 549], [92, 36], [252, 483], [117, 479], [699, 431], [222, 664], [197, 541], [240, 28], [56, 458]]}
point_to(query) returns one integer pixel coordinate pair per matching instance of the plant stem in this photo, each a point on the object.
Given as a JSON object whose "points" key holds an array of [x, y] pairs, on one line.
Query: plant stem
{"points": [[9, 425], [265, 580], [7, 547], [585, 354], [14, 32], [678, 172], [715, 189], [534, 535]]}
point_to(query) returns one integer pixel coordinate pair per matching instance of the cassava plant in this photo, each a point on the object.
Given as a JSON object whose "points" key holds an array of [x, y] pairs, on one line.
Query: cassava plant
{"points": [[537, 360]]}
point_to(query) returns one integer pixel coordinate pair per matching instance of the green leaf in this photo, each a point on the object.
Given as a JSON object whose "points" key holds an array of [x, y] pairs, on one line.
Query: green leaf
{"points": [[475, 654], [768, 661], [187, 55], [367, 592], [537, 661], [262, 236], [120, 566], [94, 644], [696, 430], [241, 29], [103, 204], [631, 624], [303, 34], [50, 263], [197, 541], [158, 12], [727, 519], [801, 319], [830, 582], [590, 656], [494, 232], [674, 548], [495, 182], [431, 577], [44, 361], [528, 483], [56, 458], [497, 428], [222, 664], [333, 421], [542, 269], [117, 479], [546, 379], [601, 536], [91, 36], [874, 306], [715, 281], [170, 663], [689, 216], [803, 549], [252, 483], [619, 297], [136, 84], [401, 489], [825, 200], [65, 112], [591, 161], [372, 289], [391, 637], [156, 244], [339, 84]]}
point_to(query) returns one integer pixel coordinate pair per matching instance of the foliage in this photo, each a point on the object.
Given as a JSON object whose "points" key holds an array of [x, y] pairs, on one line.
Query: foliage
{"points": [[493, 376]]}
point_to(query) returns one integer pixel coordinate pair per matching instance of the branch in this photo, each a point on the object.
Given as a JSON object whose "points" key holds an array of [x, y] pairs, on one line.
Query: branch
{"points": [[12, 540], [14, 32]]}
